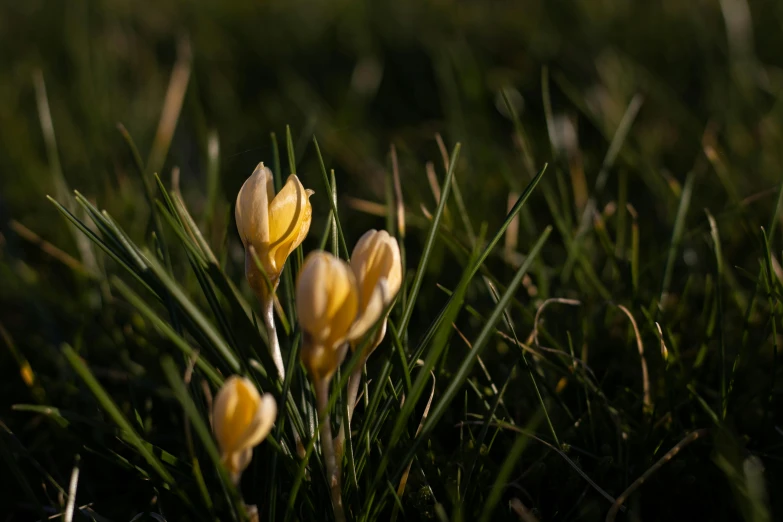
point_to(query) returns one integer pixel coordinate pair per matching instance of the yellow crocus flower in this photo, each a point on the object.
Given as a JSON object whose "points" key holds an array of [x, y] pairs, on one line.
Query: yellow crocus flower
{"points": [[241, 419], [377, 264], [327, 299], [272, 225]]}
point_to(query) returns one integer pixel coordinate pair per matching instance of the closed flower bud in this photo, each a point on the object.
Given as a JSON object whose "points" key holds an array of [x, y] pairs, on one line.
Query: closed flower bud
{"points": [[327, 299], [377, 264], [273, 225], [241, 419]]}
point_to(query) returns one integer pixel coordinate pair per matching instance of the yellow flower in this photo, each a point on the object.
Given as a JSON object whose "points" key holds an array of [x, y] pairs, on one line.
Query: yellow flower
{"points": [[241, 419], [377, 264], [273, 225], [327, 299]]}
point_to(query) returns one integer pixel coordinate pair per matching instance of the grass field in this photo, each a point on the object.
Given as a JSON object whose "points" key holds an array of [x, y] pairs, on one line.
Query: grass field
{"points": [[587, 195]]}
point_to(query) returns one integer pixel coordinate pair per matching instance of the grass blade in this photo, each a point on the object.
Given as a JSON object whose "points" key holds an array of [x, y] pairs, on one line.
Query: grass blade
{"points": [[776, 214], [719, 295], [770, 283], [430, 242], [289, 144], [679, 227], [331, 195], [276, 163]]}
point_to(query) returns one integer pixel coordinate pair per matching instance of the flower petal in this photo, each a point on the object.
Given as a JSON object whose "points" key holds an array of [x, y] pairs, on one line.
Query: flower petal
{"points": [[224, 405], [343, 306], [252, 207], [311, 296], [375, 256], [377, 302], [234, 410], [327, 299], [262, 423], [288, 211]]}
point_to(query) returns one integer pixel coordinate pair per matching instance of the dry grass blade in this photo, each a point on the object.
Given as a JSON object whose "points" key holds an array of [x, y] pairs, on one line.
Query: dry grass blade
{"points": [[368, 207], [663, 460], [400, 205], [172, 105], [58, 178], [558, 300], [647, 398], [72, 486], [48, 248], [521, 511], [512, 232], [432, 179], [664, 350], [463, 213]]}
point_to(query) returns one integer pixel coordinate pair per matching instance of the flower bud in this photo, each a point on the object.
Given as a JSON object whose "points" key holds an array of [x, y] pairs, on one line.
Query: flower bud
{"points": [[273, 225], [241, 419], [377, 264], [327, 299]]}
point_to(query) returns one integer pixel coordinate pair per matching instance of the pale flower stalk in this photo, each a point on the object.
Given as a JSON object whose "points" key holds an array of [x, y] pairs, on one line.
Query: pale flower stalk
{"points": [[241, 419], [327, 300], [271, 226]]}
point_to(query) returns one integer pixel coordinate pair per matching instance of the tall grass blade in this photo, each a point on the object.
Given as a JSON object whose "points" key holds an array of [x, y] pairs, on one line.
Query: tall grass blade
{"points": [[332, 196], [714, 233], [430, 241], [677, 233]]}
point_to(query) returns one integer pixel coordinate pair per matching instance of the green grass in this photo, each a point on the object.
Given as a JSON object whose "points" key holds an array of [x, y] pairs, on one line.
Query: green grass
{"points": [[544, 275]]}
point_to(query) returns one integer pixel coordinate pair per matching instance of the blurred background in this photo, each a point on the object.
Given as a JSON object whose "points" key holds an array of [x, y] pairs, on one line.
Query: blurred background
{"points": [[703, 75], [701, 80]]}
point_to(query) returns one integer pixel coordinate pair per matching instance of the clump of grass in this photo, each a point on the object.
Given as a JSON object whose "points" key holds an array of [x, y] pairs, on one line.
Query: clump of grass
{"points": [[217, 347]]}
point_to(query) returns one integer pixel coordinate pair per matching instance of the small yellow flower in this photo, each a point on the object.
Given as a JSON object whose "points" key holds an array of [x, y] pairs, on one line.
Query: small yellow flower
{"points": [[327, 299], [241, 419], [377, 264], [273, 225]]}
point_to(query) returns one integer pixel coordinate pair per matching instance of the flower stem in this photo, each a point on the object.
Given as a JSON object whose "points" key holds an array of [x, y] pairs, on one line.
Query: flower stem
{"points": [[327, 446], [268, 305], [353, 391]]}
